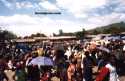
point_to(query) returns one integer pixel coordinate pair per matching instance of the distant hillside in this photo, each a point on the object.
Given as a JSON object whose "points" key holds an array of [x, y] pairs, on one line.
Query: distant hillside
{"points": [[109, 29]]}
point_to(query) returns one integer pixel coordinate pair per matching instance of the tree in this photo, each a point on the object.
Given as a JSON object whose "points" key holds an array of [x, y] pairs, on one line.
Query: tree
{"points": [[69, 34], [40, 35], [19, 37], [37, 35], [54, 34], [6, 35], [106, 31], [60, 32], [26, 37], [80, 34], [115, 30], [83, 30], [95, 32]]}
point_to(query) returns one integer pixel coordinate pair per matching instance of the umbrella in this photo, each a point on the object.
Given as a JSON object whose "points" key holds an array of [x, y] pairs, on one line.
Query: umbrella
{"points": [[123, 38], [103, 49], [112, 38], [43, 61]]}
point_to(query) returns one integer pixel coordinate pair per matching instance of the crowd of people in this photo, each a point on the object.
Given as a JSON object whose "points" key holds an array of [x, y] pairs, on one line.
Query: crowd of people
{"points": [[84, 61]]}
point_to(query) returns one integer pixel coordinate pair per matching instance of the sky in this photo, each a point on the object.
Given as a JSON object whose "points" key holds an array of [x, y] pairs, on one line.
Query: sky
{"points": [[19, 16]]}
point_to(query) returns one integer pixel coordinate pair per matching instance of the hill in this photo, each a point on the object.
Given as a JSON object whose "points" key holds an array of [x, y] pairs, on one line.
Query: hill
{"points": [[114, 28]]}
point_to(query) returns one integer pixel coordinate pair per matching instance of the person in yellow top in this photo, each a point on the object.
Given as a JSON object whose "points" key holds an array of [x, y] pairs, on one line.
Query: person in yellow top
{"points": [[40, 51]]}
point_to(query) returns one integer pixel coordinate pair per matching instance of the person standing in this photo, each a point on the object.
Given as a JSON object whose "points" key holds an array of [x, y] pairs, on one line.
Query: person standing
{"points": [[3, 75], [87, 67], [112, 69], [20, 74], [71, 70]]}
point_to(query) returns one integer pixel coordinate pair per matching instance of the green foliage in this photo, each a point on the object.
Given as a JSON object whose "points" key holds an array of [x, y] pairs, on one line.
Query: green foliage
{"points": [[54, 34], [115, 28], [95, 32], [37, 35], [80, 34], [6, 35], [60, 32]]}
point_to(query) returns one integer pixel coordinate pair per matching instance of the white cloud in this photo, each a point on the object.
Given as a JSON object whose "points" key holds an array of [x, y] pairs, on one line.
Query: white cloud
{"points": [[26, 25], [49, 6], [7, 4], [104, 20], [78, 7], [121, 6], [24, 4], [12, 4]]}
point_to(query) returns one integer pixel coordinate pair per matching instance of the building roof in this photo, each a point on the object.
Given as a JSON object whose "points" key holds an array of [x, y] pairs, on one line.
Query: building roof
{"points": [[24, 40], [45, 38]]}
